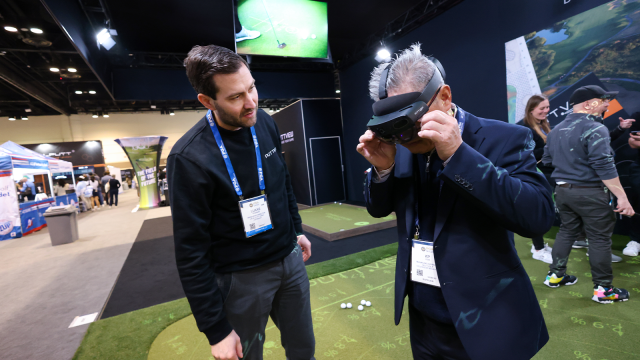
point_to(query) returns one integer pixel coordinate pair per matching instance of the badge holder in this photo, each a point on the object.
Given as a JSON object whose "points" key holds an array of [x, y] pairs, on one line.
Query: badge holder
{"points": [[423, 264], [256, 216]]}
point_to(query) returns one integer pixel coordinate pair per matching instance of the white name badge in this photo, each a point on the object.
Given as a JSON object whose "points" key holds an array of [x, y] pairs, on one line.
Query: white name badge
{"points": [[423, 264], [255, 215]]}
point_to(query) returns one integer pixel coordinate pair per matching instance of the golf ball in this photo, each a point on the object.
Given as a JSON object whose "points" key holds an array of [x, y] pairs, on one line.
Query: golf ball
{"points": [[313, 36], [343, 305], [363, 302], [368, 303], [349, 305], [360, 307]]}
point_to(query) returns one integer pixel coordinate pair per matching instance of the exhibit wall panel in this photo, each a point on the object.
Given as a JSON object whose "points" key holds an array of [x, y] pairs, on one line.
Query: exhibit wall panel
{"points": [[469, 42], [52, 129]]}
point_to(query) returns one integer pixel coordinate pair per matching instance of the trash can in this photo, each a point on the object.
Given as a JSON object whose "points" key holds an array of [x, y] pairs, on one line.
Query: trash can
{"points": [[63, 224]]}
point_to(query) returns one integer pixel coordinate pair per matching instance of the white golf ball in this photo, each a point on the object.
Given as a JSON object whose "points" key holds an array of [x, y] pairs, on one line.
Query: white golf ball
{"points": [[363, 302], [343, 305], [360, 307], [349, 305], [368, 303], [313, 36]]}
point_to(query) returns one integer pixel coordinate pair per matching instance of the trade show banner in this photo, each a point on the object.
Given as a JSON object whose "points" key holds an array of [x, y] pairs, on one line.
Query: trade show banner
{"points": [[32, 215], [10, 227], [69, 199], [144, 154]]}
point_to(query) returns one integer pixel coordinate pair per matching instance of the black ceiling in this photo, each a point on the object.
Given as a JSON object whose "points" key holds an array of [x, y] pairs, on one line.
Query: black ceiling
{"points": [[159, 34]]}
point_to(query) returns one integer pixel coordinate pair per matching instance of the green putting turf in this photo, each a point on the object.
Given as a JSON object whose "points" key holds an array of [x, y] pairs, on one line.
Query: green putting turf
{"points": [[579, 328], [332, 218], [294, 23]]}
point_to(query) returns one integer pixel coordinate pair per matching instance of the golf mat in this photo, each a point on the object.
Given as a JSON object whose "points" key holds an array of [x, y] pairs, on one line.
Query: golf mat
{"points": [[579, 327], [338, 221]]}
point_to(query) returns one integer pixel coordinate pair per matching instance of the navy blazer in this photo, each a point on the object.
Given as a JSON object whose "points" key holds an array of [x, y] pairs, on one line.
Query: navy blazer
{"points": [[490, 190]]}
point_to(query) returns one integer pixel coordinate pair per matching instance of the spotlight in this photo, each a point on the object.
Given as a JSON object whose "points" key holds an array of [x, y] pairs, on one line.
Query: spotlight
{"points": [[27, 110], [36, 31], [12, 118], [383, 55], [24, 118], [171, 113], [11, 29], [72, 69], [337, 91], [104, 39], [92, 92], [78, 92], [153, 106], [95, 115], [54, 69], [105, 114]]}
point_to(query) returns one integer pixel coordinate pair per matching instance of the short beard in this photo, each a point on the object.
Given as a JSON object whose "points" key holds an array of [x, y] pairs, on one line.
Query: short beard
{"points": [[229, 119]]}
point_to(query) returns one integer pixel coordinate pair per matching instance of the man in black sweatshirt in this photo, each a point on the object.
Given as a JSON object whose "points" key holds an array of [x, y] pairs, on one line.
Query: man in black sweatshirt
{"points": [[239, 245]]}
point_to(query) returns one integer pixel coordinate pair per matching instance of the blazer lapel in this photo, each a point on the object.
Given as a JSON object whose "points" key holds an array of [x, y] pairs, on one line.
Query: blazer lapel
{"points": [[448, 195]]}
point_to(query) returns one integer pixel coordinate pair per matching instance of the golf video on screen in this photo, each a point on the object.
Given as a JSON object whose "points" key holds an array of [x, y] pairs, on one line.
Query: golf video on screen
{"points": [[295, 28]]}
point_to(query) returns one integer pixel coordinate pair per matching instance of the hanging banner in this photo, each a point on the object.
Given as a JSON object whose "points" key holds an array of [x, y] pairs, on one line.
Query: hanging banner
{"points": [[27, 163], [144, 154], [9, 211]]}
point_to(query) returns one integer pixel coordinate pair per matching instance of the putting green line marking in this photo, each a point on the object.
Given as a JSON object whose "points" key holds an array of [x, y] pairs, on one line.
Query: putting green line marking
{"points": [[592, 315], [364, 292], [325, 322], [367, 351], [600, 346], [196, 348]]}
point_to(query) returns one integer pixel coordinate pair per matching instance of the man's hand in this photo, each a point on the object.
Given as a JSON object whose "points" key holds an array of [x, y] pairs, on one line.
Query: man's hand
{"points": [[634, 141], [377, 152], [305, 245], [625, 124], [229, 348], [443, 131], [624, 208]]}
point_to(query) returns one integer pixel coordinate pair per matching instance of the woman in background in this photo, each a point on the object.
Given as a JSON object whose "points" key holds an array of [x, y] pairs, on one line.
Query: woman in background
{"points": [[95, 197], [535, 118]]}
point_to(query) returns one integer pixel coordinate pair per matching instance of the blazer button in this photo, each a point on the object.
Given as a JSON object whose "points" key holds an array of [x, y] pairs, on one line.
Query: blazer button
{"points": [[470, 187], [457, 177]]}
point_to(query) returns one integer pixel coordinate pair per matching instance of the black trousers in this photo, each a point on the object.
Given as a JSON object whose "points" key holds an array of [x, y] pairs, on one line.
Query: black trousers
{"points": [[588, 209], [538, 241], [431, 340], [113, 194], [634, 198]]}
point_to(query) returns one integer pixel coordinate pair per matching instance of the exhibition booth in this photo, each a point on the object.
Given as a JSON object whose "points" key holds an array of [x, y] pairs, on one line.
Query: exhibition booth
{"points": [[22, 218]]}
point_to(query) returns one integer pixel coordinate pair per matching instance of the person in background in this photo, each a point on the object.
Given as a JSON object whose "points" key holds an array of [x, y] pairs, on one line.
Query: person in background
{"points": [[633, 247], [28, 188], [580, 152], [114, 187], [95, 187], [81, 187], [535, 118], [60, 188]]}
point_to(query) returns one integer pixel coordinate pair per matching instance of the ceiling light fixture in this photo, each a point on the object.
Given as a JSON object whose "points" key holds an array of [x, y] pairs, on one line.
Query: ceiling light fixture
{"points": [[95, 115], [383, 55], [36, 31], [24, 118], [11, 29], [72, 69], [12, 118], [78, 92], [104, 38], [171, 113], [92, 92], [337, 91], [27, 110], [54, 69], [106, 114]]}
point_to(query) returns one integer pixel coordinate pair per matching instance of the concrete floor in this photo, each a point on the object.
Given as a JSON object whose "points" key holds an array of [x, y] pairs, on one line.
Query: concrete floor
{"points": [[43, 288]]}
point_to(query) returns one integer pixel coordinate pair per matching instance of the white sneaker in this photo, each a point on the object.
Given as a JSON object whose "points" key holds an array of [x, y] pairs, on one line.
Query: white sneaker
{"points": [[543, 256], [245, 34], [632, 249], [109, 206], [547, 248]]}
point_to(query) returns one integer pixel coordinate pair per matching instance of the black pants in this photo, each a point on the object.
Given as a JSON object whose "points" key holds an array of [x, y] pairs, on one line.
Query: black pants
{"points": [[113, 194], [431, 340], [588, 208], [634, 198], [538, 241], [280, 290]]}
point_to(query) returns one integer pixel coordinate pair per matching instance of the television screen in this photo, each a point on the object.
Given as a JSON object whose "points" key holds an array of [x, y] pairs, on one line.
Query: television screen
{"points": [[600, 47], [295, 28]]}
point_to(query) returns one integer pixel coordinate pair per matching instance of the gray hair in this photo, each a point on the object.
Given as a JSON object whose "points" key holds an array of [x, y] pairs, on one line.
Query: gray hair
{"points": [[409, 71]]}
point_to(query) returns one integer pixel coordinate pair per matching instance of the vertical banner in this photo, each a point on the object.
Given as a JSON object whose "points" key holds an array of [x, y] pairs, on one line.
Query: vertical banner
{"points": [[10, 227], [144, 154]]}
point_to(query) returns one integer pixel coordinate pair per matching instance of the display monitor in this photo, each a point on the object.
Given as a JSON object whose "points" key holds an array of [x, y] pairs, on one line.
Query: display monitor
{"points": [[294, 28], [600, 47]]}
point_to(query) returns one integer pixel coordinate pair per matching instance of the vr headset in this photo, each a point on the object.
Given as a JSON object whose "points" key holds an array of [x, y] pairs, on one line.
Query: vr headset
{"points": [[394, 118]]}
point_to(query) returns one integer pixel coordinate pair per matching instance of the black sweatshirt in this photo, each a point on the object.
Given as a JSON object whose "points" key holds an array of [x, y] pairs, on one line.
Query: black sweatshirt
{"points": [[207, 225]]}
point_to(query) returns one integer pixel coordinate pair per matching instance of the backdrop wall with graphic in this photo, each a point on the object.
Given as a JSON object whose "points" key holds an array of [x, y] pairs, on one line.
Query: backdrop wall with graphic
{"points": [[79, 153]]}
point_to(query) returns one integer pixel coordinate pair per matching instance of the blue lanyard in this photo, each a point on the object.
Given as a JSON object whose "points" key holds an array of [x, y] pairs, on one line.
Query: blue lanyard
{"points": [[227, 161]]}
